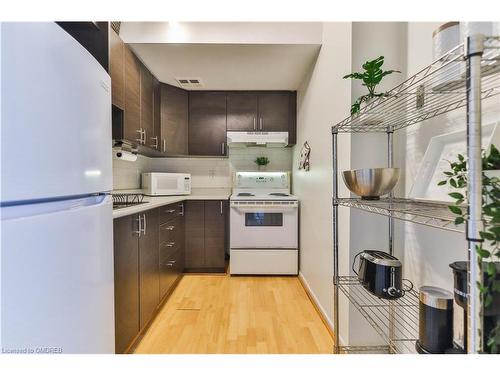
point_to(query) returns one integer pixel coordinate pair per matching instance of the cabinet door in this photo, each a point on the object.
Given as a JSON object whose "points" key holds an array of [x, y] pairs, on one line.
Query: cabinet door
{"points": [[157, 114], [126, 271], [215, 234], [195, 234], [174, 120], [207, 123], [242, 111], [149, 272], [292, 131], [132, 110], [274, 111], [147, 106], [116, 69]]}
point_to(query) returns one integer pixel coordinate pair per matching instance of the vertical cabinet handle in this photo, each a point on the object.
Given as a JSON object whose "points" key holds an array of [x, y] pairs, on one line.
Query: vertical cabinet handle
{"points": [[144, 139], [155, 145], [181, 206], [223, 148], [254, 124], [144, 228], [261, 123], [221, 208], [139, 224], [164, 145], [140, 133]]}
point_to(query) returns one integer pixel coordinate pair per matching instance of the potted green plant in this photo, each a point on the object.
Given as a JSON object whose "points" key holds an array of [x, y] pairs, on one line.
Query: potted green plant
{"points": [[489, 250], [261, 162], [371, 77]]}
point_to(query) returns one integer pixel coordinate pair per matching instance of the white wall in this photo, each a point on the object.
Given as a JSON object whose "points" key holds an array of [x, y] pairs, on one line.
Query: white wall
{"points": [[323, 99], [368, 231]]}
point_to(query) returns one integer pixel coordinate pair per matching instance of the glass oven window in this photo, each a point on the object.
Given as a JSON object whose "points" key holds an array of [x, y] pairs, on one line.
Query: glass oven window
{"points": [[264, 219]]}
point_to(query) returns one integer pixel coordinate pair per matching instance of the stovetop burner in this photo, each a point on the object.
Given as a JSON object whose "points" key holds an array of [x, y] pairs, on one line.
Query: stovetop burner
{"points": [[280, 194], [246, 195]]}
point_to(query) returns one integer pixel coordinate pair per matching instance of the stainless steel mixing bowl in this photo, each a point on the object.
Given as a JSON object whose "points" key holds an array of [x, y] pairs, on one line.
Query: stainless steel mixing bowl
{"points": [[371, 183]]}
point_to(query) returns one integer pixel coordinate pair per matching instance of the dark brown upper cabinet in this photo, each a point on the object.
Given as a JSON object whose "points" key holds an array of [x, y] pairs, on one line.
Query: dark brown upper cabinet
{"points": [[174, 120], [274, 111], [157, 113], [116, 69], [263, 111], [93, 36], [132, 130], [242, 111], [149, 138], [207, 123]]}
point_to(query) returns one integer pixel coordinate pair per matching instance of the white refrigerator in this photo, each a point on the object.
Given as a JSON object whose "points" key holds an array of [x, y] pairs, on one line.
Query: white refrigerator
{"points": [[57, 290]]}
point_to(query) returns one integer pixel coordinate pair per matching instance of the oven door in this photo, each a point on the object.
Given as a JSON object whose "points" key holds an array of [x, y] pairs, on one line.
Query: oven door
{"points": [[264, 226]]}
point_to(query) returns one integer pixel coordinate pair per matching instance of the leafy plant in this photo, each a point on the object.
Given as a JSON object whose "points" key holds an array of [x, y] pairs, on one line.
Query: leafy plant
{"points": [[371, 77], [262, 160], [457, 179]]}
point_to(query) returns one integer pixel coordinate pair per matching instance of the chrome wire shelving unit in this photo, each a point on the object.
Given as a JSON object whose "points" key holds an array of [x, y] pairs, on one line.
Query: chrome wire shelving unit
{"points": [[462, 78], [432, 214], [399, 335]]}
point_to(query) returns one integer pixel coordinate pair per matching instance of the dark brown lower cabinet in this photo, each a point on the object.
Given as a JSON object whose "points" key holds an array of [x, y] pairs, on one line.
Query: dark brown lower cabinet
{"points": [[206, 223], [149, 279], [126, 263], [137, 275], [171, 253]]}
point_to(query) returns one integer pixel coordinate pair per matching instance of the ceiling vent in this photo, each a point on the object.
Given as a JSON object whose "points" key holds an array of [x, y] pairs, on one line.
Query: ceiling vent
{"points": [[189, 82]]}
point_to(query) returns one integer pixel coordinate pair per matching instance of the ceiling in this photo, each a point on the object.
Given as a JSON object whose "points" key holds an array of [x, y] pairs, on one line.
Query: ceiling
{"points": [[230, 66]]}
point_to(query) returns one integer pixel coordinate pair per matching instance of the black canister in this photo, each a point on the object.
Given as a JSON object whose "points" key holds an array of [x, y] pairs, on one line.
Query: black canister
{"points": [[435, 333]]}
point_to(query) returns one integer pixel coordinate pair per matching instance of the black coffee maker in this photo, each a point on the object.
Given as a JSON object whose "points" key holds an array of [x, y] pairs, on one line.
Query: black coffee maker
{"points": [[491, 314]]}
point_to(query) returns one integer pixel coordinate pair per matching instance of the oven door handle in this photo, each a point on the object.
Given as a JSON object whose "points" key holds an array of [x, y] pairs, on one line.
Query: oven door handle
{"points": [[259, 209]]}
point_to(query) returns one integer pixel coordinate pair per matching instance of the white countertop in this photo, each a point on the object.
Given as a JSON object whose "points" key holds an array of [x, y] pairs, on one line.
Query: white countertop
{"points": [[153, 202]]}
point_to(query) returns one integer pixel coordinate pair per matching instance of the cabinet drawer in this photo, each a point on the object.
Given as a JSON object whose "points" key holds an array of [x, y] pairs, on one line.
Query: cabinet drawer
{"points": [[171, 267], [171, 211], [172, 232]]}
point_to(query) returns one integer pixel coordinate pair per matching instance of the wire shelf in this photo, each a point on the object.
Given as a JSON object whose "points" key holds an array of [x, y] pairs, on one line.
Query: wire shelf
{"points": [[399, 316], [432, 214], [375, 349], [436, 89]]}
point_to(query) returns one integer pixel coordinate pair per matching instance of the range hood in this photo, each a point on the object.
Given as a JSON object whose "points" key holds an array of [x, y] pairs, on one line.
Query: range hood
{"points": [[256, 139]]}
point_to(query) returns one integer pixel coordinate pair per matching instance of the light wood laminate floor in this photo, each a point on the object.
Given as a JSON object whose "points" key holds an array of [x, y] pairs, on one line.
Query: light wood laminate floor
{"points": [[238, 314]]}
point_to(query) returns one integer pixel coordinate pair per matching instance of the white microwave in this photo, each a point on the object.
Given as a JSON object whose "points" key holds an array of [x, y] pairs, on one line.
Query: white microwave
{"points": [[166, 183]]}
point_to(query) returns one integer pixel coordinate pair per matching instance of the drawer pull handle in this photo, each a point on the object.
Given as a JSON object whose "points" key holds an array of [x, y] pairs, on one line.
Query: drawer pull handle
{"points": [[170, 211], [170, 227], [170, 244]]}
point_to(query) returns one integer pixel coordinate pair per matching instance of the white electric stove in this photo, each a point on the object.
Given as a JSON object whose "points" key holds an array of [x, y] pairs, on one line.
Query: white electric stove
{"points": [[263, 225]]}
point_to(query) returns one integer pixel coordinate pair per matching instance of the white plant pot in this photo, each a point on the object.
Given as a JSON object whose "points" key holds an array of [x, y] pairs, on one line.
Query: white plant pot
{"points": [[369, 119]]}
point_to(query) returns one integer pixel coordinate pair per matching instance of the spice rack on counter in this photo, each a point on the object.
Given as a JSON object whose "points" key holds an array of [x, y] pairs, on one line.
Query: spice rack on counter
{"points": [[463, 77]]}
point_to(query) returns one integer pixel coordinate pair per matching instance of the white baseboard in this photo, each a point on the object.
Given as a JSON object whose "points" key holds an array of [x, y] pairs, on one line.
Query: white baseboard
{"points": [[319, 307]]}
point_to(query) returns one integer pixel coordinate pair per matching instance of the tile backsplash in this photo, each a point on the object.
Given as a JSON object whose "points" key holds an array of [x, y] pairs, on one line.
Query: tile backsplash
{"points": [[205, 172]]}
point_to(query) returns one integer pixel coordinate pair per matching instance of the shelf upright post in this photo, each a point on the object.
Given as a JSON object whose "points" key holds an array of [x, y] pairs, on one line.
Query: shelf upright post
{"points": [[390, 164], [474, 49], [335, 244]]}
